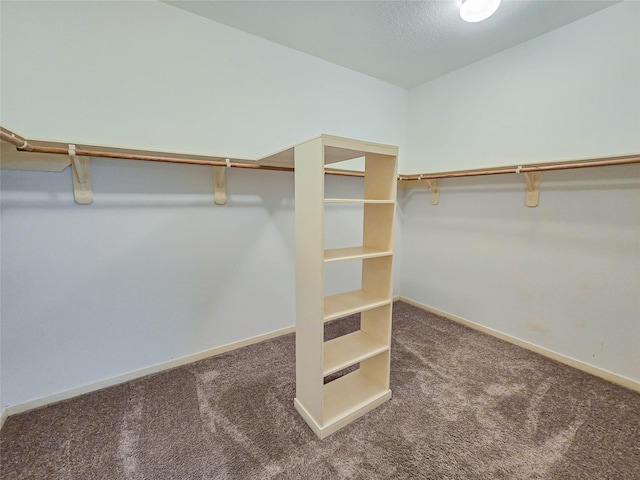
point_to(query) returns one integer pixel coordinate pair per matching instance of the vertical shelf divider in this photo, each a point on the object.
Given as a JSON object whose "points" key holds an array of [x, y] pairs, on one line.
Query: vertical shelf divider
{"points": [[309, 207]]}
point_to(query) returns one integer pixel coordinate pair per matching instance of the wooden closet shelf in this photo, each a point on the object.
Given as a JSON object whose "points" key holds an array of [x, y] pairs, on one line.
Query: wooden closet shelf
{"points": [[343, 304], [350, 349], [354, 253], [356, 200], [349, 397]]}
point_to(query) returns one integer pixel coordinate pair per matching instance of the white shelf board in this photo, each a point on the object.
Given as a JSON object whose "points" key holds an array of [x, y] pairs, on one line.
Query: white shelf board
{"points": [[336, 149], [351, 396], [353, 253], [343, 304], [350, 349], [356, 200]]}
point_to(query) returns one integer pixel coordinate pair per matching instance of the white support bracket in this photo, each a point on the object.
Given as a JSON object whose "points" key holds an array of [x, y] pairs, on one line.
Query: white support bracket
{"points": [[533, 188], [434, 185], [220, 184], [81, 174]]}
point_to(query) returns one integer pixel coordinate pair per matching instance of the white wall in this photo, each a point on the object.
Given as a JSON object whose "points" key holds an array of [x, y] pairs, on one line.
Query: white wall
{"points": [[572, 93], [148, 75], [565, 275], [150, 272], [153, 270]]}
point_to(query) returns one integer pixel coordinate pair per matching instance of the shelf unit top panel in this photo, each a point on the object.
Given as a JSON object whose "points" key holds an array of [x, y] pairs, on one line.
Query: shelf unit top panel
{"points": [[336, 149]]}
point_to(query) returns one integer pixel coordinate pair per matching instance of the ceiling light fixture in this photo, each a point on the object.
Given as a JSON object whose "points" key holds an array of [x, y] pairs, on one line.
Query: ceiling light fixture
{"points": [[478, 10]]}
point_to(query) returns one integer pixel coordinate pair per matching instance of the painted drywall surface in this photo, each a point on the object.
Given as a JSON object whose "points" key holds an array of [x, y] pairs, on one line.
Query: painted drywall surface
{"points": [[572, 93], [153, 270], [150, 272], [564, 275], [151, 76]]}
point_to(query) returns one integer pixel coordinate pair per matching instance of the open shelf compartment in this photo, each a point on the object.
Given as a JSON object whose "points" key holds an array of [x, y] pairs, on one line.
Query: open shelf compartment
{"points": [[356, 393], [349, 394], [347, 303], [350, 349]]}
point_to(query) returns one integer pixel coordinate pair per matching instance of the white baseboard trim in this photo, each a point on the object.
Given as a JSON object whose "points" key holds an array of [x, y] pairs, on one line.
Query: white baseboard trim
{"points": [[109, 382], [3, 417], [572, 362]]}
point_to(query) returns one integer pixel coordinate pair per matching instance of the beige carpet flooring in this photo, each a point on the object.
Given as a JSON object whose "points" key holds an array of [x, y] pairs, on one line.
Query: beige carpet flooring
{"points": [[464, 406]]}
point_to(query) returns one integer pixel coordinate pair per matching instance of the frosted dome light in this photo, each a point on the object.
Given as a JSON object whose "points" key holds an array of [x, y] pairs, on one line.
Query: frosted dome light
{"points": [[478, 10]]}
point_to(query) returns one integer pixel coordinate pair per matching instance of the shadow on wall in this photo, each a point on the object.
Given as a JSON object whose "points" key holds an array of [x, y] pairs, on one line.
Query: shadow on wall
{"points": [[118, 184], [597, 178], [578, 209], [563, 275], [138, 276]]}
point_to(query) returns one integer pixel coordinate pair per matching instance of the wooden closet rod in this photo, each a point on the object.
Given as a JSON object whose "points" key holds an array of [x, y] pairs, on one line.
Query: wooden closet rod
{"points": [[602, 162], [24, 146], [21, 143]]}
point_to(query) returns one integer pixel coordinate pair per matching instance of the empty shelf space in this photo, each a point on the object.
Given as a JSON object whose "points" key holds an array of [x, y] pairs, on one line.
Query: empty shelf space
{"points": [[336, 306], [350, 349], [352, 253], [352, 394], [355, 200]]}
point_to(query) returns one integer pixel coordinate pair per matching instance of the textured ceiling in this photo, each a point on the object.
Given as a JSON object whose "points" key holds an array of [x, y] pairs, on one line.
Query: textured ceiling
{"points": [[402, 42]]}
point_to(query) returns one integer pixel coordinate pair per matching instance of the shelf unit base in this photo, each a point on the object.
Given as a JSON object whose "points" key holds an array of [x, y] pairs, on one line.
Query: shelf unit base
{"points": [[336, 422]]}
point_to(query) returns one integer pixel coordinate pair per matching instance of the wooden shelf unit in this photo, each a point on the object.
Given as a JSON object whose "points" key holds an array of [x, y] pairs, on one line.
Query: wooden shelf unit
{"points": [[329, 407]]}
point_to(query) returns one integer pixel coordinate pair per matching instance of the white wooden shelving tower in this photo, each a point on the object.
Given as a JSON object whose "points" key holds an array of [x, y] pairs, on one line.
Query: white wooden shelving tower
{"points": [[328, 407]]}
